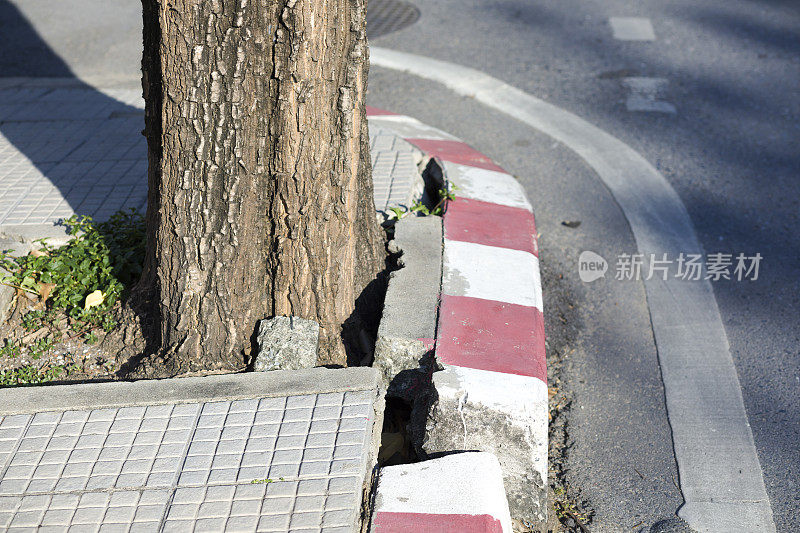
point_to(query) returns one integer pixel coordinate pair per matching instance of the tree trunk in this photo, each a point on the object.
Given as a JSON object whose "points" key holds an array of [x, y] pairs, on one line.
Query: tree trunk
{"points": [[260, 191]]}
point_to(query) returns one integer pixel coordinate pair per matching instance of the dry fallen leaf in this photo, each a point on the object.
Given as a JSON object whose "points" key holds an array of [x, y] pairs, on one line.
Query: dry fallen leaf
{"points": [[38, 253], [93, 299], [45, 289]]}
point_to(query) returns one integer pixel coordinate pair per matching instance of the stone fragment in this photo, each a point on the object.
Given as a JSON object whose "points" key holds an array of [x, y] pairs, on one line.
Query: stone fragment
{"points": [[286, 343]]}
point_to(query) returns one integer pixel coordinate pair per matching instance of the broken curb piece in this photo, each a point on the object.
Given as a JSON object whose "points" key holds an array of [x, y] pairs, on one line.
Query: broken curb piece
{"points": [[492, 394], [504, 414], [460, 492]]}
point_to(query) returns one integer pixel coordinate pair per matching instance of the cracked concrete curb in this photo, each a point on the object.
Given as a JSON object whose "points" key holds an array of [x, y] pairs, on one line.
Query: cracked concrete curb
{"points": [[17, 400], [408, 325], [491, 395]]}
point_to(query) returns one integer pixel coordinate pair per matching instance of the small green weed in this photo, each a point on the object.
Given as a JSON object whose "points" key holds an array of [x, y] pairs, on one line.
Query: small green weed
{"points": [[445, 193], [105, 257], [75, 287], [32, 375], [398, 212], [568, 510], [10, 349], [33, 320], [41, 346]]}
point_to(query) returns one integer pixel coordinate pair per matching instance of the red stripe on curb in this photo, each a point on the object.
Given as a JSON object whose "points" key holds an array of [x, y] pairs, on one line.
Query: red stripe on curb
{"points": [[374, 111], [491, 224], [436, 523], [456, 152], [490, 335]]}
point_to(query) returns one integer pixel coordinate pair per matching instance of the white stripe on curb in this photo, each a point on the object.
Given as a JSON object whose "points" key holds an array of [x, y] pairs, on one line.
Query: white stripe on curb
{"points": [[491, 273], [487, 185], [517, 396], [683, 314], [522, 398]]}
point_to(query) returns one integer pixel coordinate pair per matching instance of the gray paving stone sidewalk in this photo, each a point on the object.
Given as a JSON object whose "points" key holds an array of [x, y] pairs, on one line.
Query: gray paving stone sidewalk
{"points": [[68, 148], [269, 451]]}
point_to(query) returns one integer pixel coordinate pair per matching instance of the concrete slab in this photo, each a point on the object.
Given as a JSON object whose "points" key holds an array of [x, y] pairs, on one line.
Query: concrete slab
{"points": [[408, 324], [271, 451]]}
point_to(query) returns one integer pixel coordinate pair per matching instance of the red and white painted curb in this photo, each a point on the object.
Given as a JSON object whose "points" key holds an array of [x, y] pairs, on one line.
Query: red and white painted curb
{"points": [[490, 336], [459, 493], [491, 303]]}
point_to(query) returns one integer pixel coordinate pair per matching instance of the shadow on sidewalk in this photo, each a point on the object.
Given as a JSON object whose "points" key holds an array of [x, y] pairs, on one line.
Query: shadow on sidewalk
{"points": [[65, 146]]}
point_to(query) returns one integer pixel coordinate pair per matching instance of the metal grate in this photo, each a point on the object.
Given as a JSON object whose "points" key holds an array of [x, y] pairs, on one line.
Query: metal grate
{"points": [[387, 16]]}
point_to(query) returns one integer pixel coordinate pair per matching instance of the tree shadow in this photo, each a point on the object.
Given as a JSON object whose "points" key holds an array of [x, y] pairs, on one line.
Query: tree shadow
{"points": [[67, 147]]}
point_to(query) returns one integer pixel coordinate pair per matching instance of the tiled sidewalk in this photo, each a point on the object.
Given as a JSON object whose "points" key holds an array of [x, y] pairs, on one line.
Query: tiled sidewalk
{"points": [[276, 451], [68, 148]]}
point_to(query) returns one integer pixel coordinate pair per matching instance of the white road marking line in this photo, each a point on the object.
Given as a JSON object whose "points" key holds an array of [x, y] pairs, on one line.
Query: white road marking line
{"points": [[686, 322], [632, 29], [644, 93], [411, 128]]}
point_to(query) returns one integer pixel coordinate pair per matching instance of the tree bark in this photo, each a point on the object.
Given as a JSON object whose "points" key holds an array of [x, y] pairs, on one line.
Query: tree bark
{"points": [[260, 191]]}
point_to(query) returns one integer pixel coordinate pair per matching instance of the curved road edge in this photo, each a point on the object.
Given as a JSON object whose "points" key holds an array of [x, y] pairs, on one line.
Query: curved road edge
{"points": [[720, 475]]}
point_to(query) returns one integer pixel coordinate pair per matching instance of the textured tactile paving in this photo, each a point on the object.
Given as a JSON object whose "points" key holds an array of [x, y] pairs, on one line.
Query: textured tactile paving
{"points": [[394, 169], [68, 150], [269, 464]]}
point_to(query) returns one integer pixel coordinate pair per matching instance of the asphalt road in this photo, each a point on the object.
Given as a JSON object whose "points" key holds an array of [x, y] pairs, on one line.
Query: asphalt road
{"points": [[731, 150]]}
